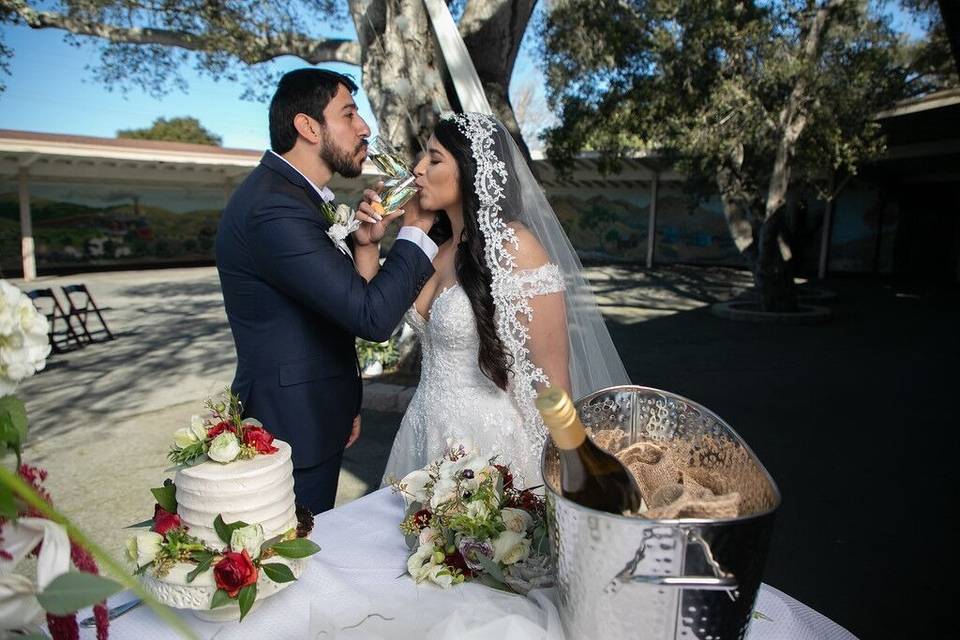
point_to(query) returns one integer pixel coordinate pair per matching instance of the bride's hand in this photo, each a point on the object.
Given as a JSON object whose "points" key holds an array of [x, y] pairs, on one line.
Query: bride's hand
{"points": [[373, 219]]}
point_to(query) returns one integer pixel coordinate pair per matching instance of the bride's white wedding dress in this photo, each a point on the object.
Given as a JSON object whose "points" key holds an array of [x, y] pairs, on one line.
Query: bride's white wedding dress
{"points": [[455, 400]]}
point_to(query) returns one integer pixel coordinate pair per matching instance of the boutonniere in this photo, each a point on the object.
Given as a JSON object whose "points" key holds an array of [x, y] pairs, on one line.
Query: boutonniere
{"points": [[343, 221]]}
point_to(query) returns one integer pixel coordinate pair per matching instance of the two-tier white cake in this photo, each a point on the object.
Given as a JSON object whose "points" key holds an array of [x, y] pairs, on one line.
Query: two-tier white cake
{"points": [[254, 491]]}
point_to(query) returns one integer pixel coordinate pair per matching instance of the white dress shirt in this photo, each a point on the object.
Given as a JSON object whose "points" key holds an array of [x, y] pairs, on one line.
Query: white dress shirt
{"points": [[408, 233]]}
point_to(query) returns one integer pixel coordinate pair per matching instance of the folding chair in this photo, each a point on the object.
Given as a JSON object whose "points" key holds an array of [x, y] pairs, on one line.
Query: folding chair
{"points": [[61, 340], [82, 312]]}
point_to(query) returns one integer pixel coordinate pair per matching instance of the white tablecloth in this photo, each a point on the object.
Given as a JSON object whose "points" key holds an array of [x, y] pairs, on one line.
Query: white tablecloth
{"points": [[354, 588]]}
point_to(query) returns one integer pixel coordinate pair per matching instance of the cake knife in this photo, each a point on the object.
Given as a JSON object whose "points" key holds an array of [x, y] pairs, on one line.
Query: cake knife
{"points": [[114, 612]]}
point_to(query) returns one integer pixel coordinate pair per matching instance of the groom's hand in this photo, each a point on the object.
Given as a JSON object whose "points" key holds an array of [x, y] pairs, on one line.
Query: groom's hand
{"points": [[354, 433], [373, 220]]}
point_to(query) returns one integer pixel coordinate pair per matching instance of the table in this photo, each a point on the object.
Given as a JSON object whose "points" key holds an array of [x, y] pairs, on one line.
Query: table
{"points": [[355, 588]]}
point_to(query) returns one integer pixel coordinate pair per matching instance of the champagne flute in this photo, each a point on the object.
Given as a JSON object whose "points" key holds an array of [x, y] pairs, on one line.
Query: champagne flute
{"points": [[399, 185]]}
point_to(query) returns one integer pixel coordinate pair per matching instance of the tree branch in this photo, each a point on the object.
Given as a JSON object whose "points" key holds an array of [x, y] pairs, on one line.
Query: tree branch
{"points": [[793, 117], [252, 49]]}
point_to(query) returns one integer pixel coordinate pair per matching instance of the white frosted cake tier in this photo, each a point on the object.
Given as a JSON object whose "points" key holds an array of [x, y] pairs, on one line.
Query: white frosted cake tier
{"points": [[255, 491]]}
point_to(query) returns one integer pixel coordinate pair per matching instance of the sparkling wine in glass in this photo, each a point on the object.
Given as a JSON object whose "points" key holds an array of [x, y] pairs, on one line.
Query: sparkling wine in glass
{"points": [[398, 187]]}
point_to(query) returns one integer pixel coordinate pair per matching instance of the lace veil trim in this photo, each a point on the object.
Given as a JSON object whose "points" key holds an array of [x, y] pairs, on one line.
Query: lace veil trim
{"points": [[511, 288]]}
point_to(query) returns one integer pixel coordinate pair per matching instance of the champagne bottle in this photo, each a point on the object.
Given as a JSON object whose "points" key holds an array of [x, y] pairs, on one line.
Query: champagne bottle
{"points": [[588, 475]]}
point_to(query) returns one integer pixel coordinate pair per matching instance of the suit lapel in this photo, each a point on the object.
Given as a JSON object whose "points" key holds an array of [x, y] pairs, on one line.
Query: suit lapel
{"points": [[279, 165]]}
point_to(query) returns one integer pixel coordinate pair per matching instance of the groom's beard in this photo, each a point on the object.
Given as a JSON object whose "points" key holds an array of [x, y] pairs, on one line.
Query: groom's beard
{"points": [[340, 161]]}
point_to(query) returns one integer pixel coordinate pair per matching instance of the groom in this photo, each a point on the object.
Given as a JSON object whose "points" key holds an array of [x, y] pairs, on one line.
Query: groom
{"points": [[295, 301]]}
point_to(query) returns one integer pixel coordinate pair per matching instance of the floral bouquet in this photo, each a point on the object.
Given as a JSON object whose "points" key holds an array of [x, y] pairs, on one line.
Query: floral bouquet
{"points": [[223, 436], [236, 566], [465, 520]]}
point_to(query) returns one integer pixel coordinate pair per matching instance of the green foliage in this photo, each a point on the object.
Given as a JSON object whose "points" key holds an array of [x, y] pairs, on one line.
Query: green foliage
{"points": [[225, 40], [246, 598], [278, 572], [13, 425], [203, 560], [704, 81], [166, 496], [220, 598], [384, 352], [296, 548], [174, 130], [72, 591], [224, 530]]}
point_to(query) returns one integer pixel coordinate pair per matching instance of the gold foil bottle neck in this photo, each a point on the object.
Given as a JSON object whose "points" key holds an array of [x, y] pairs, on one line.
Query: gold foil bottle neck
{"points": [[561, 418]]}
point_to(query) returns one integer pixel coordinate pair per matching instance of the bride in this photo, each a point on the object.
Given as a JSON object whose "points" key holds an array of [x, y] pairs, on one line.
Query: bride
{"points": [[507, 311]]}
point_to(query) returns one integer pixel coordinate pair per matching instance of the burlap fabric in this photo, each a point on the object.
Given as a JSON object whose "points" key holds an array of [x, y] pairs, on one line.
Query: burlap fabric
{"points": [[705, 477]]}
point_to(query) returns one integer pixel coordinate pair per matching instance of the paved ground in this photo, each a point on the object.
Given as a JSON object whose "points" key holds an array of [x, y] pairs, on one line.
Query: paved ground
{"points": [[847, 416]]}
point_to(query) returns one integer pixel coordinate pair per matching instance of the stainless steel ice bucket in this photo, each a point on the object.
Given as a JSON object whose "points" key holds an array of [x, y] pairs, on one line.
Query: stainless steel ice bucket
{"points": [[621, 577]]}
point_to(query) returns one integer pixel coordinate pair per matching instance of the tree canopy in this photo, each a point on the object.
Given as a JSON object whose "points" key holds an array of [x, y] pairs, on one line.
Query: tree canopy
{"points": [[182, 129], [148, 43], [748, 98]]}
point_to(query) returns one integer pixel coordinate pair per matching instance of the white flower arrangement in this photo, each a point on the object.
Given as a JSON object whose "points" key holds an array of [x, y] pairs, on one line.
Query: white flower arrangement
{"points": [[343, 221], [466, 521], [24, 345]]}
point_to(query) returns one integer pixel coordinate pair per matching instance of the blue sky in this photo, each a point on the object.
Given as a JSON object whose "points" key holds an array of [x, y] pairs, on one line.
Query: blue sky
{"points": [[50, 90]]}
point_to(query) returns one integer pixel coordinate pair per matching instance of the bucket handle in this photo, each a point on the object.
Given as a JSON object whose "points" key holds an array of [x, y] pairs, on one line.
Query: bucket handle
{"points": [[720, 580]]}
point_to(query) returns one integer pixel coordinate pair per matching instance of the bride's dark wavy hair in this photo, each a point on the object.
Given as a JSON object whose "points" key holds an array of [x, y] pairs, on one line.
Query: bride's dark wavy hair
{"points": [[472, 272]]}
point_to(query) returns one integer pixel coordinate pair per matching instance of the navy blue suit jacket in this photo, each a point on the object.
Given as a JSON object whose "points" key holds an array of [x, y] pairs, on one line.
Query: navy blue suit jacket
{"points": [[295, 303]]}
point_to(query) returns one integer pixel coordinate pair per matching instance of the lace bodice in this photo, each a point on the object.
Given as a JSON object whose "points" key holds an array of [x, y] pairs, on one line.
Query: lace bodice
{"points": [[454, 399]]}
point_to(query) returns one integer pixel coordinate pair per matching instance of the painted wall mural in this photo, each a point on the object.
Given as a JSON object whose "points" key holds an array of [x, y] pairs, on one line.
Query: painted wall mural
{"points": [[93, 225]]}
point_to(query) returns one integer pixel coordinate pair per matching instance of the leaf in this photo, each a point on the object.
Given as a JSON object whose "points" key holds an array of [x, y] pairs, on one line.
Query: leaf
{"points": [[220, 598], [541, 540], [412, 540], [13, 414], [278, 572], [488, 580], [247, 595], [203, 563], [145, 523], [492, 568], [73, 591], [225, 530], [269, 543], [166, 497], [297, 548], [8, 507]]}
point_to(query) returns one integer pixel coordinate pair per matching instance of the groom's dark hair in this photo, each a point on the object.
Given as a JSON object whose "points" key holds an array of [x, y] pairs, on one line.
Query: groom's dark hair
{"points": [[302, 91]]}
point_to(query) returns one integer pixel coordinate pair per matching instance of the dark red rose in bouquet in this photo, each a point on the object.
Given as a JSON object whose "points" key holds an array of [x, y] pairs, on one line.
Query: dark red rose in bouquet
{"points": [[422, 519], [219, 428], [456, 560], [164, 521], [260, 439], [235, 572]]}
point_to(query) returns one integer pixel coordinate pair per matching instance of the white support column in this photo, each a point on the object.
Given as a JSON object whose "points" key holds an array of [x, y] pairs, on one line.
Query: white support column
{"points": [[26, 229], [825, 231], [652, 222]]}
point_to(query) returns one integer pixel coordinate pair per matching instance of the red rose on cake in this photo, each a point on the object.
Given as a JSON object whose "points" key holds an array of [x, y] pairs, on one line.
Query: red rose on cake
{"points": [[235, 572], [164, 521], [219, 428], [260, 439]]}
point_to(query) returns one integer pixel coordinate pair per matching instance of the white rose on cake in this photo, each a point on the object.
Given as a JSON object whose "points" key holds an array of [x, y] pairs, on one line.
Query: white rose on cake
{"points": [[193, 434], [144, 547], [249, 538], [224, 448]]}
